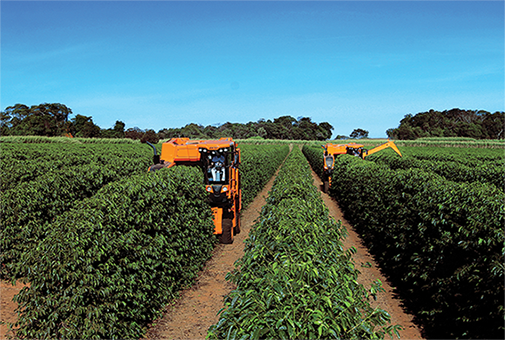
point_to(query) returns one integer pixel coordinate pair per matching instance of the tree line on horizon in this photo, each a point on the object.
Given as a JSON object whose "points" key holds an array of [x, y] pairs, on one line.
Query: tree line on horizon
{"points": [[52, 119], [477, 124]]}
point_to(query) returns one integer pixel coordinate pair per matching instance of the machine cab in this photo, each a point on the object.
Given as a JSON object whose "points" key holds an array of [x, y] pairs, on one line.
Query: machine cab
{"points": [[220, 170], [215, 165]]}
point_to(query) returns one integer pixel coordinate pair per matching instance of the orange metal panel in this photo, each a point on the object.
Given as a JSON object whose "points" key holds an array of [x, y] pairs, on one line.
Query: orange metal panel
{"points": [[218, 220]]}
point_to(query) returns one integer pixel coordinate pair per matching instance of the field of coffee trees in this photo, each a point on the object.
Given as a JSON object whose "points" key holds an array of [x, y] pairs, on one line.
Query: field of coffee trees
{"points": [[105, 245], [434, 221]]}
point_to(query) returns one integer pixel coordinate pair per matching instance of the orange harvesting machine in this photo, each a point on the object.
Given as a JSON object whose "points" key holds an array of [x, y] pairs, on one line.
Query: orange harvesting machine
{"points": [[219, 160], [333, 150]]}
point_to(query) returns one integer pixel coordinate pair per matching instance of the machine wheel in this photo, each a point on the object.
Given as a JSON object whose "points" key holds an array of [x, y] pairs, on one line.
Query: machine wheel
{"points": [[227, 236], [236, 230], [155, 167], [326, 186]]}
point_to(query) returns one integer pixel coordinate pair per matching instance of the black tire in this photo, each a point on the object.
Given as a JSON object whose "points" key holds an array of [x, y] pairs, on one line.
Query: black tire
{"points": [[155, 167], [326, 186], [236, 230], [226, 236]]}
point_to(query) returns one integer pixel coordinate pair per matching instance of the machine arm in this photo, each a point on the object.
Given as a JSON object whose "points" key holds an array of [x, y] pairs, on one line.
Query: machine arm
{"points": [[389, 144]]}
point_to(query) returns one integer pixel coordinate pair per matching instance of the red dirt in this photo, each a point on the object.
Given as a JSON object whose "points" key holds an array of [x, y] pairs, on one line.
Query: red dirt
{"points": [[7, 306]]}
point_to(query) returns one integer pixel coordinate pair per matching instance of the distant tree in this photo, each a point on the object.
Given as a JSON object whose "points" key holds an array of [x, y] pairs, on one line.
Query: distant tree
{"points": [[359, 133], [325, 129], [54, 115], [209, 131], [119, 129], [116, 132], [150, 136], [493, 124], [41, 125], [134, 133], [84, 127], [284, 127], [391, 133], [306, 129], [4, 123], [37, 120], [450, 123], [193, 131], [168, 133], [12, 119], [286, 121], [262, 132]]}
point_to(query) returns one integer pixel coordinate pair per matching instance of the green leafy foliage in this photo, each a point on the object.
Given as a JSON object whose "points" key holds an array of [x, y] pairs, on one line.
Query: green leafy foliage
{"points": [[451, 123], [455, 164], [97, 236], [20, 163], [441, 242], [295, 281], [105, 268], [29, 207], [259, 163]]}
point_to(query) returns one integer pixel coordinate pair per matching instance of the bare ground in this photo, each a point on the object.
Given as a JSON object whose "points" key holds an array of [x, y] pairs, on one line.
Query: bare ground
{"points": [[7, 306]]}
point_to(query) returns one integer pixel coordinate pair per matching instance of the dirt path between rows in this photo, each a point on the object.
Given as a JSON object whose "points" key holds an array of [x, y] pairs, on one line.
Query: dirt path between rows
{"points": [[387, 300], [7, 306], [191, 315]]}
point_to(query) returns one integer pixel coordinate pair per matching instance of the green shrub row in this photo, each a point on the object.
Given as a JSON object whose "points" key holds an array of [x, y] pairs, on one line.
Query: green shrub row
{"points": [[314, 155], [259, 164], [27, 211], [50, 232], [21, 163], [295, 281], [465, 156], [65, 140], [484, 172], [107, 267], [441, 242]]}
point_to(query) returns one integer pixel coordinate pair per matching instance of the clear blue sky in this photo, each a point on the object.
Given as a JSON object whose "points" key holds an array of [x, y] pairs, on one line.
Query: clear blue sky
{"points": [[165, 64]]}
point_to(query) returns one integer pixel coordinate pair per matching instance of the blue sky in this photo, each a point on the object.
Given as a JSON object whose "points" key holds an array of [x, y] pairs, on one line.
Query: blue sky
{"points": [[165, 64]]}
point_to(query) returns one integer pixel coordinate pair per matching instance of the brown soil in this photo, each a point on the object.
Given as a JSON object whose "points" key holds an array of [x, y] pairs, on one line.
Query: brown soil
{"points": [[7, 306]]}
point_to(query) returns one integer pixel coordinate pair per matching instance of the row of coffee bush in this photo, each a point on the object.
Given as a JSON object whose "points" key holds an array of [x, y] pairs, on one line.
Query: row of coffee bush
{"points": [[28, 209], [441, 242], [466, 156], [259, 163], [73, 172], [295, 280], [457, 170], [107, 267], [21, 163]]}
